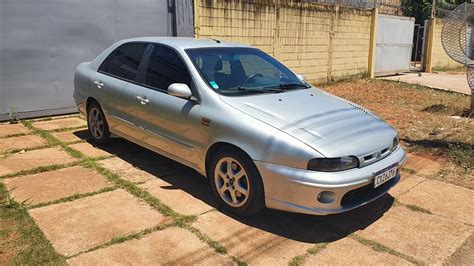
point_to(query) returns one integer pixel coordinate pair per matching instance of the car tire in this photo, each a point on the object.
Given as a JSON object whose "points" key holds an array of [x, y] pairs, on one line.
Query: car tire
{"points": [[239, 192], [97, 124]]}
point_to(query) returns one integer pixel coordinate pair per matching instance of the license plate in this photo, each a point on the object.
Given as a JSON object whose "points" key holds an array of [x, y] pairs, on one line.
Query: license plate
{"points": [[384, 175]]}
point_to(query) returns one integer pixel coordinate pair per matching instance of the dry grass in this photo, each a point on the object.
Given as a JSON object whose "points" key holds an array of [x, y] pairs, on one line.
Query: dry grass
{"points": [[424, 120]]}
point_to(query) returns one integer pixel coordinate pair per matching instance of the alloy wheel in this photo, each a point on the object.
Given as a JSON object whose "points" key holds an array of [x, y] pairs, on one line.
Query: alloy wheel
{"points": [[232, 182], [96, 122]]}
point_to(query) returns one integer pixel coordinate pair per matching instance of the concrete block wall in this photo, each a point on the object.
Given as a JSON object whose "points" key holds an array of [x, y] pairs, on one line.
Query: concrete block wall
{"points": [[351, 44], [440, 58], [321, 42]]}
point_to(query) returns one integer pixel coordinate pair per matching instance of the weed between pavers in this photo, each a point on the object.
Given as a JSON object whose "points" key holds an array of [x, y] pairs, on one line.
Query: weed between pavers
{"points": [[13, 151], [71, 198], [28, 245], [121, 239], [417, 208], [179, 220], [382, 248], [40, 169], [298, 260]]}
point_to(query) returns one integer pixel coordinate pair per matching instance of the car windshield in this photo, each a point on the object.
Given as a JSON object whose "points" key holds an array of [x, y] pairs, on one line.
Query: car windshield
{"points": [[235, 71]]}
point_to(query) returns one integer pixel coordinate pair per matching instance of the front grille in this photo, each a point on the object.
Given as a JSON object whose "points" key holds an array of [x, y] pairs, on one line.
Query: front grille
{"points": [[375, 156], [367, 193]]}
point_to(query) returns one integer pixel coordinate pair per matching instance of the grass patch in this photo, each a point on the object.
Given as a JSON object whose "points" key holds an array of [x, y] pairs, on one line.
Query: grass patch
{"points": [[238, 262], [462, 154], [182, 221], [205, 238], [424, 120], [381, 248], [131, 188], [12, 151], [417, 208], [42, 133], [408, 170], [72, 198], [455, 69], [40, 169], [15, 135], [298, 260], [67, 129], [121, 239], [21, 241]]}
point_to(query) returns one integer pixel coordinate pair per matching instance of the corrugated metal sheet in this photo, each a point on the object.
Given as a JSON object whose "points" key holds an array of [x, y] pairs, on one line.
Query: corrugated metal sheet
{"points": [[394, 44], [41, 43]]}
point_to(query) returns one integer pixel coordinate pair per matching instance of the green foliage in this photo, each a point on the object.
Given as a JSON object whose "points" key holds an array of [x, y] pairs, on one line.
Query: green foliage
{"points": [[13, 115], [419, 9]]}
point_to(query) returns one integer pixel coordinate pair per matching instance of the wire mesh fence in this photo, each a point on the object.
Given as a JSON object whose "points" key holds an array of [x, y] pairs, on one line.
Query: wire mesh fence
{"points": [[457, 36], [360, 4]]}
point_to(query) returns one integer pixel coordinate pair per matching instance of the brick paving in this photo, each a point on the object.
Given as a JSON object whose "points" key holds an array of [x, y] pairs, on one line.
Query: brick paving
{"points": [[130, 208]]}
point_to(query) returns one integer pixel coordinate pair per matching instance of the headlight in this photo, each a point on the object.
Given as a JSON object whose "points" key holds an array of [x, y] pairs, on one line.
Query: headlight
{"points": [[395, 143], [333, 164]]}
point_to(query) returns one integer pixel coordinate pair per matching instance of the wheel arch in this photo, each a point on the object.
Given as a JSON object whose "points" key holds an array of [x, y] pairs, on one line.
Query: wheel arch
{"points": [[90, 100], [217, 146]]}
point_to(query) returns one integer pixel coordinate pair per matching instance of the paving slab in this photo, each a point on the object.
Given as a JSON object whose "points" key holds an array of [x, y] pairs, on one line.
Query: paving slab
{"points": [[73, 135], [443, 199], [21, 142], [54, 185], [32, 159], [422, 166], [442, 81], [407, 182], [174, 246], [464, 255], [60, 123], [90, 150], [426, 237], [350, 252], [12, 129], [178, 199], [260, 239], [88, 222], [127, 170]]}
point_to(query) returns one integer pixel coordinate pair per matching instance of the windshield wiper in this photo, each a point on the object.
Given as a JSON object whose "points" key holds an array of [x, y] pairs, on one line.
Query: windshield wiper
{"points": [[287, 86], [261, 90]]}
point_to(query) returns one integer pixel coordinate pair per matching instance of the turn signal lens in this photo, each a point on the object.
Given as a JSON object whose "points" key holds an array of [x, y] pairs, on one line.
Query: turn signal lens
{"points": [[395, 143], [333, 164]]}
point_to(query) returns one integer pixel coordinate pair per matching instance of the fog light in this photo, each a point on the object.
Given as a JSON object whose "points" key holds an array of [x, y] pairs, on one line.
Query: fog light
{"points": [[326, 197]]}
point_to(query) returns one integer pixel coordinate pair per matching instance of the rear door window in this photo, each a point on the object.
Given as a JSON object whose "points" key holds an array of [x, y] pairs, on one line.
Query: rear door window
{"points": [[124, 61], [165, 67]]}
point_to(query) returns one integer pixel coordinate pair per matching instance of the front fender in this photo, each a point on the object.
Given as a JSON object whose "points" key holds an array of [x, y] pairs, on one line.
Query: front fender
{"points": [[259, 140]]}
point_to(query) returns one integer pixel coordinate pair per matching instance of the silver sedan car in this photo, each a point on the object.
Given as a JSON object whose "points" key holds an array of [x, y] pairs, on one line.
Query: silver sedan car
{"points": [[262, 135]]}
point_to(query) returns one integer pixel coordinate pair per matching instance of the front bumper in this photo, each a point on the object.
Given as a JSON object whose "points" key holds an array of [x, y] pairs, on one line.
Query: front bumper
{"points": [[295, 190]]}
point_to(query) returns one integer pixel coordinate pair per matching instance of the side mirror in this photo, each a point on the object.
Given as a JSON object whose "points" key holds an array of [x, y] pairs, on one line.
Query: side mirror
{"points": [[180, 90], [300, 77]]}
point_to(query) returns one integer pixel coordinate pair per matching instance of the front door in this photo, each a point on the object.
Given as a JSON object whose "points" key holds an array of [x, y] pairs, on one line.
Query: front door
{"points": [[169, 123]]}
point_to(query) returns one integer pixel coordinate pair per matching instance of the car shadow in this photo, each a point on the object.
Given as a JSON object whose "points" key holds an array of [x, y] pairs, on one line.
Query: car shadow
{"points": [[298, 227]]}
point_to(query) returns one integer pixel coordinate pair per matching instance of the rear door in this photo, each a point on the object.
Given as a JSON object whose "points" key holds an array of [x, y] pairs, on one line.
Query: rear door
{"points": [[121, 67], [169, 123]]}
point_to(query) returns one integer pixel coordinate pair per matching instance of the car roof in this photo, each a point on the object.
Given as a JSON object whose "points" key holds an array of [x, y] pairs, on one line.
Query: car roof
{"points": [[187, 42]]}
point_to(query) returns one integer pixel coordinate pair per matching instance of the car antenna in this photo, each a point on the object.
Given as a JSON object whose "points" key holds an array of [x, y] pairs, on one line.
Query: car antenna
{"points": [[216, 40]]}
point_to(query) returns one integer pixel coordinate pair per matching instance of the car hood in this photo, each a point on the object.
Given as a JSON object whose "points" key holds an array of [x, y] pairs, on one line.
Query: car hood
{"points": [[332, 126]]}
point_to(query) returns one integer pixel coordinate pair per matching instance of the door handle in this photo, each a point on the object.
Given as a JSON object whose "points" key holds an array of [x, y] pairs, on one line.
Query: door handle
{"points": [[99, 84], [143, 100]]}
